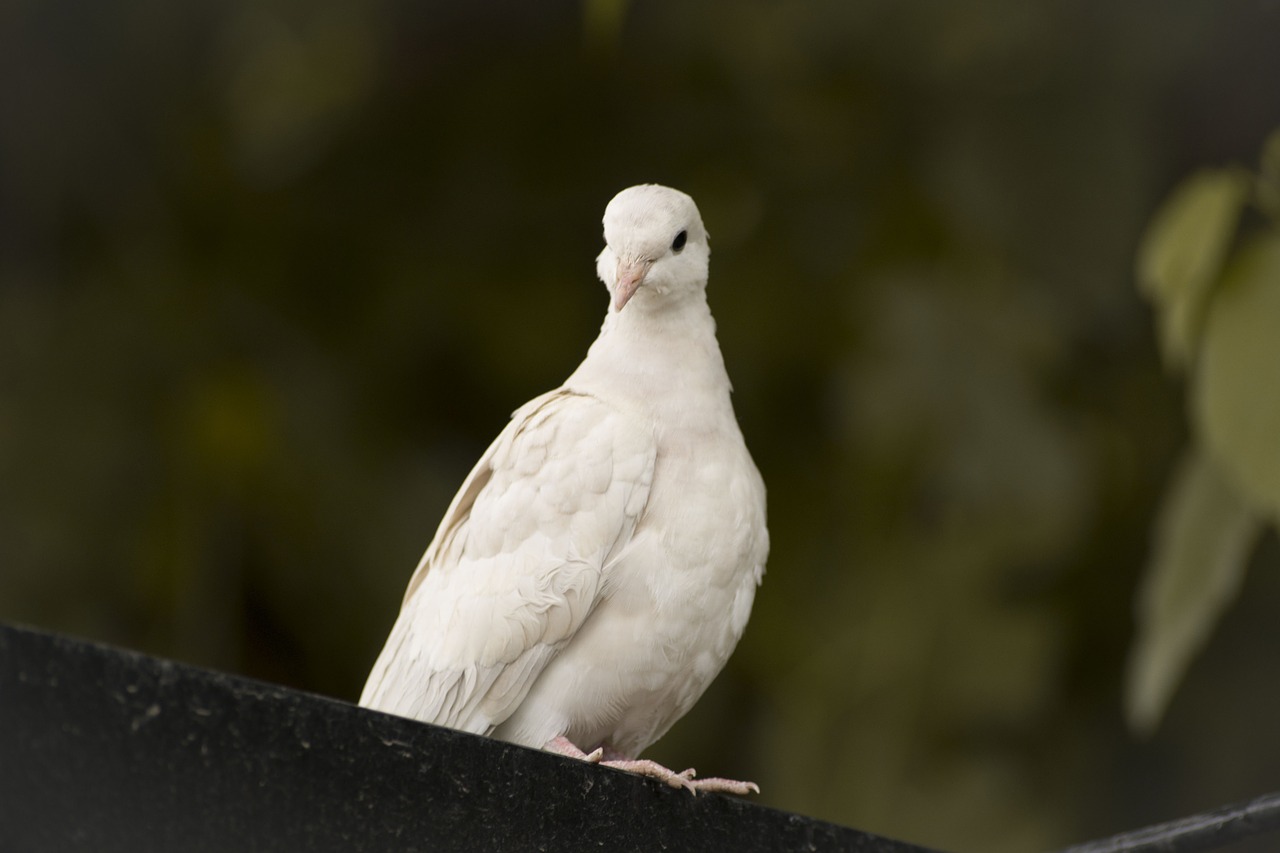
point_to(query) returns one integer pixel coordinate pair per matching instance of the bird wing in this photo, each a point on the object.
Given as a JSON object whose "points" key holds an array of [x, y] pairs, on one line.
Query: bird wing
{"points": [[517, 563]]}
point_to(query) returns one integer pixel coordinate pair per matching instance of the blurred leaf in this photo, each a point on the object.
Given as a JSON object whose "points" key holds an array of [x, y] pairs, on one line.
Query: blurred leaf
{"points": [[602, 24], [1203, 538], [1237, 389], [1182, 253], [292, 84], [1268, 195], [230, 425]]}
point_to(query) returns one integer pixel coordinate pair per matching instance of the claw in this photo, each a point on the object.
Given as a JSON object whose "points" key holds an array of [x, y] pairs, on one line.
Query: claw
{"points": [[686, 779], [726, 786]]}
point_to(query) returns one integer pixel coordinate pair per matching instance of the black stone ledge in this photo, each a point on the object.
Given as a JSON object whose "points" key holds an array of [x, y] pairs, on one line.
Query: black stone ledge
{"points": [[106, 750]]}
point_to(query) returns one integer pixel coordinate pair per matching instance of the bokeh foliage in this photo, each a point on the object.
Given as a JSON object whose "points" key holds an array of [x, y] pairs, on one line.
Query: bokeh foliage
{"points": [[272, 274], [1218, 311]]}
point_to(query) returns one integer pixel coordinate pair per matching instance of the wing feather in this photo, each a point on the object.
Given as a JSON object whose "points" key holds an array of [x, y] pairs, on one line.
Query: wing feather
{"points": [[517, 563]]}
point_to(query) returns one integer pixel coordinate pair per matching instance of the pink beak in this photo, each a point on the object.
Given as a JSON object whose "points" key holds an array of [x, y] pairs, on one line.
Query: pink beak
{"points": [[630, 276]]}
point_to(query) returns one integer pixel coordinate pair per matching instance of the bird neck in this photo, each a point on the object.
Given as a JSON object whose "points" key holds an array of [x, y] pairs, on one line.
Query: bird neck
{"points": [[666, 362]]}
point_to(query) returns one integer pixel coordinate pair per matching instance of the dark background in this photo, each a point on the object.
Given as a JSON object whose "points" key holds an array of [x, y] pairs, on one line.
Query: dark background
{"points": [[273, 274]]}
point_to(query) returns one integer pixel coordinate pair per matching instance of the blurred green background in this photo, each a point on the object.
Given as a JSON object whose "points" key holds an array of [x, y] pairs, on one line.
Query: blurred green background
{"points": [[273, 274]]}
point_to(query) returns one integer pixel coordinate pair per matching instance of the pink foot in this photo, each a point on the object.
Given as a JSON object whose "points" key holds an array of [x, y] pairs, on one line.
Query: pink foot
{"points": [[644, 767]]}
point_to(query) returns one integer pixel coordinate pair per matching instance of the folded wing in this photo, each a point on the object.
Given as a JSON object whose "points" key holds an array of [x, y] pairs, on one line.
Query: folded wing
{"points": [[517, 564]]}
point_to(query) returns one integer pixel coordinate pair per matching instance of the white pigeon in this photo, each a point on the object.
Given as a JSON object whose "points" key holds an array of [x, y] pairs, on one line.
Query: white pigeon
{"points": [[598, 565]]}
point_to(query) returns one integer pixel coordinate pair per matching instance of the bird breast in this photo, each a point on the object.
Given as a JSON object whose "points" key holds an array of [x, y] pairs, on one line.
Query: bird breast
{"points": [[675, 603]]}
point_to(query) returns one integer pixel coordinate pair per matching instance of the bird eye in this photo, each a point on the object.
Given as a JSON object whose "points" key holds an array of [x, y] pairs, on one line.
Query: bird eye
{"points": [[678, 243]]}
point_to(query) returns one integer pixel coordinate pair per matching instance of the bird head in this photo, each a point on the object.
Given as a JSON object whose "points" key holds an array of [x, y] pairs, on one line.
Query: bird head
{"points": [[656, 249]]}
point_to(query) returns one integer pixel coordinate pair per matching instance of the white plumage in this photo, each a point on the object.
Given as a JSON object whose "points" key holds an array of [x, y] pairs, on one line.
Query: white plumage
{"points": [[598, 565]]}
